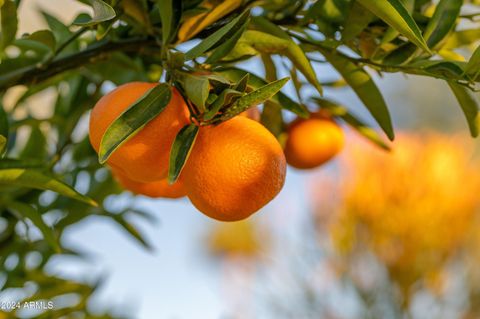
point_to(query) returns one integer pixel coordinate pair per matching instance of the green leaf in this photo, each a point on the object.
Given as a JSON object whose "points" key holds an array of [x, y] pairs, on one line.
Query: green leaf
{"points": [[27, 211], [16, 163], [255, 82], [197, 89], [170, 14], [9, 22], [227, 46], [256, 97], [166, 14], [442, 22], [59, 30], [42, 39], [217, 37], [25, 177], [134, 119], [36, 146], [242, 84], [473, 66], [357, 20], [362, 128], [255, 42], [469, 106], [396, 15], [129, 228], [365, 88], [272, 118], [4, 128], [223, 99], [197, 23], [101, 12], [181, 148]]}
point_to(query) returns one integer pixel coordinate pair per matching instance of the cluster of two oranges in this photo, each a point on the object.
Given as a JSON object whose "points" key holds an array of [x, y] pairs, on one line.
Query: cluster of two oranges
{"points": [[234, 168]]}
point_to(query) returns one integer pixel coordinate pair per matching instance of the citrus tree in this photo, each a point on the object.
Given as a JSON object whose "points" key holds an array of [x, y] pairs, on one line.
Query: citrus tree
{"points": [[196, 127]]}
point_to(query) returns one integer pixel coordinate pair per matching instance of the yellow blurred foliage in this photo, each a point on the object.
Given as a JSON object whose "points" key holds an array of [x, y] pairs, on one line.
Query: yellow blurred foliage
{"points": [[414, 207], [235, 239]]}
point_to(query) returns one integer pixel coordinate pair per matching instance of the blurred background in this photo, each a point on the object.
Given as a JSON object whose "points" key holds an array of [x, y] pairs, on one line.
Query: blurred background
{"points": [[370, 235]]}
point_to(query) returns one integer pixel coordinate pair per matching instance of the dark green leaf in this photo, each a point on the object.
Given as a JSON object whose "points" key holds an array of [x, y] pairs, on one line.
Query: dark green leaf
{"points": [[197, 89], [27, 211], [365, 88], [180, 151], [101, 12], [9, 23], [442, 22], [362, 128], [395, 14], [36, 146], [129, 228], [217, 37], [469, 107], [227, 46], [255, 42], [44, 38], [358, 19], [473, 66], [16, 163], [170, 14], [223, 99], [234, 75], [256, 97], [134, 119], [4, 127], [36, 179]]}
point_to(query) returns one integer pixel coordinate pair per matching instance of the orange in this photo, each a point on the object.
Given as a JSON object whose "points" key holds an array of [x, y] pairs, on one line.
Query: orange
{"points": [[145, 156], [152, 189], [234, 169], [312, 142]]}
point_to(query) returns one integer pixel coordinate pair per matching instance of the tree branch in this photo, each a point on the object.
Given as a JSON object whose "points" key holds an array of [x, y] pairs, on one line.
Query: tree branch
{"points": [[39, 72]]}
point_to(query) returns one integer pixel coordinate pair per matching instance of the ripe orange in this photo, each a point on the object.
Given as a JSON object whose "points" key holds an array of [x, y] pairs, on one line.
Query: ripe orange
{"points": [[152, 189], [312, 142], [145, 156], [234, 169]]}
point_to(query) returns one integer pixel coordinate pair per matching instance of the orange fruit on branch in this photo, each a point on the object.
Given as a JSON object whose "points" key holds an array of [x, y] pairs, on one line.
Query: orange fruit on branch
{"points": [[151, 189], [312, 142], [145, 156], [234, 169]]}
